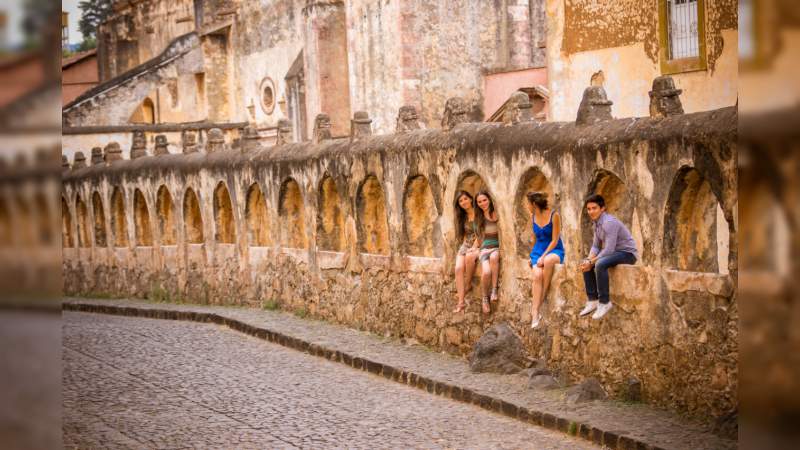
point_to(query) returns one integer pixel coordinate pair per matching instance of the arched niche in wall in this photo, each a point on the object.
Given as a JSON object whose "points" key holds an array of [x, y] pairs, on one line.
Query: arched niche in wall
{"points": [[6, 227], [330, 219], [144, 113], [762, 209], [422, 234], [67, 239], [167, 230], [119, 225], [99, 220], [372, 222], [618, 203], [44, 223], [83, 222], [693, 221], [471, 183], [192, 218], [224, 223], [257, 218], [292, 215], [533, 180], [141, 220]]}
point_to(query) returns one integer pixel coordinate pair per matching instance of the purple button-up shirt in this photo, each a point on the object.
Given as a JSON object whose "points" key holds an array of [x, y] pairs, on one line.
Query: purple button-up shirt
{"points": [[611, 235]]}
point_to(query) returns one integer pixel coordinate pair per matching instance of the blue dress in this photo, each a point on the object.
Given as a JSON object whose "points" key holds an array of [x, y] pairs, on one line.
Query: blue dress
{"points": [[544, 235]]}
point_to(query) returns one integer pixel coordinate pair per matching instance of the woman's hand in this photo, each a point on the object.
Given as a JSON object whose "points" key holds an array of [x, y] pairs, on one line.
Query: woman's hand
{"points": [[540, 261]]}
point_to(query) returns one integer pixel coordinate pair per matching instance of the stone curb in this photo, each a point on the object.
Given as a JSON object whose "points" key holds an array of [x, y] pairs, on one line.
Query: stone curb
{"points": [[609, 439]]}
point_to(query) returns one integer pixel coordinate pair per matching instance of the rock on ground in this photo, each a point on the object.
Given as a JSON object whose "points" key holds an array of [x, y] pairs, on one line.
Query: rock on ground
{"points": [[499, 350]]}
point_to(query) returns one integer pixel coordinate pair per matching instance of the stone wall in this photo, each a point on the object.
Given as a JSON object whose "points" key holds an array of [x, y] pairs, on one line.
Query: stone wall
{"points": [[361, 232]]}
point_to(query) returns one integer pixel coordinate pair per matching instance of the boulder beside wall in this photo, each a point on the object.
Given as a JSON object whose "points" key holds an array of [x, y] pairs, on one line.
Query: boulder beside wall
{"points": [[499, 350]]}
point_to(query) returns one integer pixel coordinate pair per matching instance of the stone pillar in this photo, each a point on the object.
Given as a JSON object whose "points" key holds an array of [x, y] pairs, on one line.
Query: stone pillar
{"points": [[284, 132], [326, 66], [216, 140], [518, 110], [250, 139], [360, 126], [665, 100], [322, 128], [519, 30], [189, 142], [455, 112], [97, 156], [161, 146], [139, 146], [595, 106], [80, 161], [113, 152], [407, 119]]}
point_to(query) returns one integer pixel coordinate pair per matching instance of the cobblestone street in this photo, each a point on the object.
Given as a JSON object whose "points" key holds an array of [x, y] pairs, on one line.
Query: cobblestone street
{"points": [[168, 384]]}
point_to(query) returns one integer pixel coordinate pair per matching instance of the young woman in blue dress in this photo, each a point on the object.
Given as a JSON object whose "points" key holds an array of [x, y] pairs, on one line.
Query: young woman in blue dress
{"points": [[547, 251]]}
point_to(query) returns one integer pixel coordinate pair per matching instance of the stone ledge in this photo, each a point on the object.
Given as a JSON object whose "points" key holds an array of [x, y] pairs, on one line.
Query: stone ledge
{"points": [[714, 283], [608, 438]]}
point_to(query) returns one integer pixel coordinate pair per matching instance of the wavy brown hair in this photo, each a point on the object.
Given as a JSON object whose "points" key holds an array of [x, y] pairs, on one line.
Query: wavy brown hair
{"points": [[461, 214], [480, 217]]}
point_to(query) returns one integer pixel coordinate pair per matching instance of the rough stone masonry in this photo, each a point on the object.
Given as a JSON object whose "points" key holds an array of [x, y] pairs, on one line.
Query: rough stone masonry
{"points": [[360, 231]]}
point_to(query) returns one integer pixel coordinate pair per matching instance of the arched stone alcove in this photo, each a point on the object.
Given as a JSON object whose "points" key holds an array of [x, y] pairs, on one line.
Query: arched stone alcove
{"points": [[192, 218], [6, 230], [44, 224], [618, 203], [83, 222], [141, 220], [330, 219], [119, 225], [422, 234], [292, 215], [373, 227], [533, 180], [224, 223], [99, 220], [166, 217], [257, 218], [67, 239]]}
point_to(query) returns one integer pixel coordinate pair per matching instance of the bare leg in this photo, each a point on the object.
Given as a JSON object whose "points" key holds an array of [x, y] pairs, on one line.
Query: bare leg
{"points": [[536, 292], [469, 270], [494, 262], [486, 278], [460, 281], [550, 262]]}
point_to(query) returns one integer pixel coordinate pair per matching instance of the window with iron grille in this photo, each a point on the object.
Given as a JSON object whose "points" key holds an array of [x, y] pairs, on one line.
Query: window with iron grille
{"points": [[682, 35]]}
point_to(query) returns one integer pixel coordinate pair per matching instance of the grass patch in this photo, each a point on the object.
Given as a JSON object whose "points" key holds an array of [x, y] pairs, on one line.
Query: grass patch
{"points": [[270, 305], [573, 429], [301, 313]]}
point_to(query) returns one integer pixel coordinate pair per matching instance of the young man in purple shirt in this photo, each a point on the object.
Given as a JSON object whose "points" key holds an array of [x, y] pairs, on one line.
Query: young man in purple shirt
{"points": [[612, 245]]}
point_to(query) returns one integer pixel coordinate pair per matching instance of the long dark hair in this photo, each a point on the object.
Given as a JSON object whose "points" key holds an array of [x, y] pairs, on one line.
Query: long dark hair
{"points": [[539, 199], [461, 214], [480, 216]]}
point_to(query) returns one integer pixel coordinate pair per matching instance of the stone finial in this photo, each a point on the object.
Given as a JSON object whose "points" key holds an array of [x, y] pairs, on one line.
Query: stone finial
{"points": [[64, 162], [455, 112], [284, 132], [216, 140], [665, 100], [360, 126], [407, 119], [595, 106], [161, 145], [518, 109], [80, 161], [250, 138], [139, 146], [322, 128], [189, 142], [97, 156], [113, 152]]}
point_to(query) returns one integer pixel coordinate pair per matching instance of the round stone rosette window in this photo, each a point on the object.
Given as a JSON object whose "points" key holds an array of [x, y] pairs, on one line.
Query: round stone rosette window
{"points": [[267, 92]]}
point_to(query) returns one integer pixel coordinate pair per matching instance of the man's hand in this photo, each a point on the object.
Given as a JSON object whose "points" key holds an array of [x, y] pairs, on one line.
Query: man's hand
{"points": [[585, 265]]}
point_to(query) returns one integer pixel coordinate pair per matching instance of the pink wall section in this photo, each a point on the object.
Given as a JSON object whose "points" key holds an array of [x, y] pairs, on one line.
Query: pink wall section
{"points": [[497, 87]]}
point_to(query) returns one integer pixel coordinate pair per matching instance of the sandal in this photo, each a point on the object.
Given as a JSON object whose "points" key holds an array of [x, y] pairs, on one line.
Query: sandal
{"points": [[485, 305], [460, 308], [494, 294]]}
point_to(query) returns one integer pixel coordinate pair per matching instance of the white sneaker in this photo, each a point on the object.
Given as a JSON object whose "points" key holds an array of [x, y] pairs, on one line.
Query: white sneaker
{"points": [[590, 306], [602, 309], [536, 321]]}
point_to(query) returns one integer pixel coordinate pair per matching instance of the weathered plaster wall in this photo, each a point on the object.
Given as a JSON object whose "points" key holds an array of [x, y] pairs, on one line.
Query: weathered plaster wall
{"points": [[330, 249], [621, 40], [139, 31]]}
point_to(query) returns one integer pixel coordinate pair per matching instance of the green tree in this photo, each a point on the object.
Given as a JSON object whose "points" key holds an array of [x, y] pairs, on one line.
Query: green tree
{"points": [[93, 13]]}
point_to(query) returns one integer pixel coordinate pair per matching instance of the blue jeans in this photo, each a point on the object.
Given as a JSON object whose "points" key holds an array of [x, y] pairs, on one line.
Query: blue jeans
{"points": [[597, 278]]}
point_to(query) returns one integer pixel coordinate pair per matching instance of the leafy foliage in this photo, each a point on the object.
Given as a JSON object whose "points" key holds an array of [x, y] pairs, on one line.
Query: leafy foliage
{"points": [[93, 13]]}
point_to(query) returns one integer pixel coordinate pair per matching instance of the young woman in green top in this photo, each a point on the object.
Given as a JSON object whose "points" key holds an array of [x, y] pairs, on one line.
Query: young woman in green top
{"points": [[490, 249]]}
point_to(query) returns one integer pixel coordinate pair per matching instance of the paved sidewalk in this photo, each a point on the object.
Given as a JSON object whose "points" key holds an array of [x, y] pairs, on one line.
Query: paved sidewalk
{"points": [[609, 423]]}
